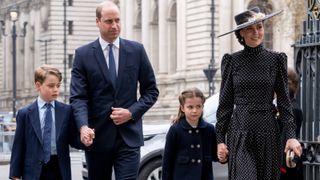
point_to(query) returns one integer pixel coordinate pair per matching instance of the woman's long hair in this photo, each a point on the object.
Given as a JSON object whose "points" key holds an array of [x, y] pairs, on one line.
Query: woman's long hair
{"points": [[188, 93]]}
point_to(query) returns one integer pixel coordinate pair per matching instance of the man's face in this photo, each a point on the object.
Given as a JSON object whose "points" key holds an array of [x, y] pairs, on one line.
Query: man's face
{"points": [[109, 23]]}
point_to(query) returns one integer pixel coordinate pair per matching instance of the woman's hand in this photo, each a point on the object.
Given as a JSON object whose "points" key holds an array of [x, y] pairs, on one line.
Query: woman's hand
{"points": [[222, 152], [294, 145]]}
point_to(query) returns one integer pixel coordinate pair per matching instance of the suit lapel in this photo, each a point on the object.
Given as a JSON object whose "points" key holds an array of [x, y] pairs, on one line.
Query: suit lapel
{"points": [[122, 63], [99, 56], [35, 120]]}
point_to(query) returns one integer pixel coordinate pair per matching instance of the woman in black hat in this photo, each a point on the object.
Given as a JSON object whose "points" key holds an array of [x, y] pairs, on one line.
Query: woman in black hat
{"points": [[248, 134]]}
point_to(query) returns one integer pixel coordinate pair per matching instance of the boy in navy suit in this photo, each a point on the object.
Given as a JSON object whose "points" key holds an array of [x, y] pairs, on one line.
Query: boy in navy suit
{"points": [[44, 132]]}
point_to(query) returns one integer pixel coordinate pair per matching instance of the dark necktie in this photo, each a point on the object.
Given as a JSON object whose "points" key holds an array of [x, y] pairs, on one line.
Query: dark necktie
{"points": [[47, 133], [112, 67]]}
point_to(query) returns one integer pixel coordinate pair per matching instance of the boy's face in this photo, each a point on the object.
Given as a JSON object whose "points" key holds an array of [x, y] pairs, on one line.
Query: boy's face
{"points": [[49, 90]]}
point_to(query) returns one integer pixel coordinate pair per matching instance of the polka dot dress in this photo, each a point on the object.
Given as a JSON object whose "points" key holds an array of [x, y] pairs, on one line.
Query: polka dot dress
{"points": [[246, 122]]}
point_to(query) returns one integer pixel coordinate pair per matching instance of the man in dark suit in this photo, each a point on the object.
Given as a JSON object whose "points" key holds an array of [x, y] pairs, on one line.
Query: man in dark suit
{"points": [[44, 131], [105, 77]]}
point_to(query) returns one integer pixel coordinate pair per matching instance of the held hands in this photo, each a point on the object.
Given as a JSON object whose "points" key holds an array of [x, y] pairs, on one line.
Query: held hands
{"points": [[222, 152], [294, 145], [86, 135], [120, 115]]}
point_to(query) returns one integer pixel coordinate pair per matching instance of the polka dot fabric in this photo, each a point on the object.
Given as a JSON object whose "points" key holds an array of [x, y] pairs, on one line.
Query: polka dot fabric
{"points": [[246, 122]]}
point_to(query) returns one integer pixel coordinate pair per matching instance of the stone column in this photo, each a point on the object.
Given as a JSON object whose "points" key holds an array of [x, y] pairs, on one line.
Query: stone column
{"points": [[145, 16], [127, 18], [237, 7], [163, 37], [225, 23], [181, 35]]}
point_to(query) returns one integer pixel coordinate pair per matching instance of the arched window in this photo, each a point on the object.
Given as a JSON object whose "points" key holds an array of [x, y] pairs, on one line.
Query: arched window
{"points": [[265, 7]]}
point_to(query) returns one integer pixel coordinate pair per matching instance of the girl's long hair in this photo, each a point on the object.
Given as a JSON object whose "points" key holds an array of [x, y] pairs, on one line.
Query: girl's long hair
{"points": [[188, 93]]}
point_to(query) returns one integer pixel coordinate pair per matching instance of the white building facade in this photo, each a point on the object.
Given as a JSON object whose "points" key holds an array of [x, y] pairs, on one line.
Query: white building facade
{"points": [[176, 35]]}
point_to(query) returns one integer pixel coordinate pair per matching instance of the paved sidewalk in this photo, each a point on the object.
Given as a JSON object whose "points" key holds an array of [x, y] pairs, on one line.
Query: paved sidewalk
{"points": [[76, 165], [4, 158]]}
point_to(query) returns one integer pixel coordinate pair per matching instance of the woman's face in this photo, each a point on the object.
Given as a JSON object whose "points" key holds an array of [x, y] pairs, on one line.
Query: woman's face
{"points": [[253, 35]]}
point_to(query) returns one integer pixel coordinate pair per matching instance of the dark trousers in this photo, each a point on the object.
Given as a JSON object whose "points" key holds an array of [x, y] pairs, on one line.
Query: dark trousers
{"points": [[122, 158], [51, 170]]}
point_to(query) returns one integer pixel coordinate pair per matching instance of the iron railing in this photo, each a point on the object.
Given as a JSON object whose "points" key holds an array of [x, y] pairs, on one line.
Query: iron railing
{"points": [[307, 64]]}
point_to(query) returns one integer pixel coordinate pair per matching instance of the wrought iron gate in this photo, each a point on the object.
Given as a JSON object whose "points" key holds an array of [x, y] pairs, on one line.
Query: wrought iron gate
{"points": [[307, 63]]}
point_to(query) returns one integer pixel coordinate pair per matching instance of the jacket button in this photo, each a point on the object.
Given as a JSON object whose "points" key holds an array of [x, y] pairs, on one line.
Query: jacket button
{"points": [[190, 131], [199, 160], [193, 160], [192, 146], [197, 131], [198, 145]]}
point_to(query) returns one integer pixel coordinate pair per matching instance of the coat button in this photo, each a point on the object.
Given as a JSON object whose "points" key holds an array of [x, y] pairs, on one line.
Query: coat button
{"points": [[192, 146], [190, 131], [199, 161], [197, 131], [193, 160], [198, 145]]}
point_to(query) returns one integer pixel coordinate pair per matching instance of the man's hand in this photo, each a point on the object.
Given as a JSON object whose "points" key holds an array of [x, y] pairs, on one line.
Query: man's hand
{"points": [[120, 115], [86, 135], [15, 178], [222, 152]]}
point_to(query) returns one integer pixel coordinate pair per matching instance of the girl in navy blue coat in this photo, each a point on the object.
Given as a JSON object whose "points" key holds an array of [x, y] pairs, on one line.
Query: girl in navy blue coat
{"points": [[191, 142]]}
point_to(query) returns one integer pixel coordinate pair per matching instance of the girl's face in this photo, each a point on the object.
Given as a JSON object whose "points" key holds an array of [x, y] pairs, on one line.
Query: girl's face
{"points": [[192, 108], [253, 35]]}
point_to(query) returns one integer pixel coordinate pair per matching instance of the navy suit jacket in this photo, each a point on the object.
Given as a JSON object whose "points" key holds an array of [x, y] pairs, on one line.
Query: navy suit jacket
{"points": [[27, 151], [92, 94]]}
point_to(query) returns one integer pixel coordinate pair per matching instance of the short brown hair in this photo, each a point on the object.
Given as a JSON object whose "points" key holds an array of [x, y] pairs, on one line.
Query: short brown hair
{"points": [[42, 72], [293, 82]]}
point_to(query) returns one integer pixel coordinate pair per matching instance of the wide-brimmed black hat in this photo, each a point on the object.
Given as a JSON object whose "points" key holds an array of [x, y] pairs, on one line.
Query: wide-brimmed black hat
{"points": [[249, 17]]}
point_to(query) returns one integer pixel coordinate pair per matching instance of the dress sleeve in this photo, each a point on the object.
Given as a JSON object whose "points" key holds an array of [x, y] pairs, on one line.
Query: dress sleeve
{"points": [[283, 101], [226, 99]]}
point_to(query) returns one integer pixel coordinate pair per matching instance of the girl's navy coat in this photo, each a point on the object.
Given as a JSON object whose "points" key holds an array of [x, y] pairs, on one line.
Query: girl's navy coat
{"points": [[189, 152]]}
